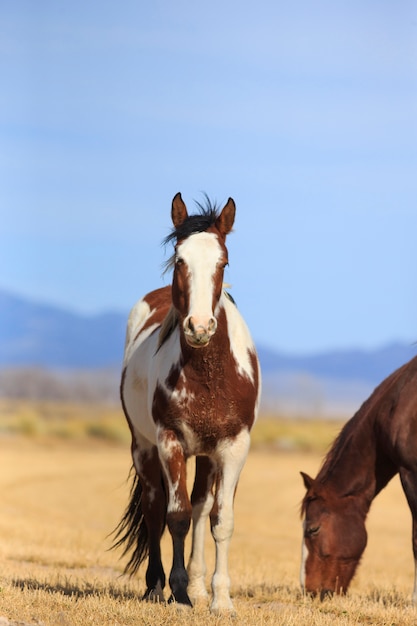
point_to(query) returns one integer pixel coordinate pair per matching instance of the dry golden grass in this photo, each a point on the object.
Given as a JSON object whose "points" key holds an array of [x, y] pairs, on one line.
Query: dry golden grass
{"points": [[60, 497], [40, 419]]}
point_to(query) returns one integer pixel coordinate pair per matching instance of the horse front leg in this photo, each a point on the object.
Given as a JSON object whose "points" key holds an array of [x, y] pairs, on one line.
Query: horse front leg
{"points": [[414, 537], [231, 459], [178, 512], [202, 502], [409, 483]]}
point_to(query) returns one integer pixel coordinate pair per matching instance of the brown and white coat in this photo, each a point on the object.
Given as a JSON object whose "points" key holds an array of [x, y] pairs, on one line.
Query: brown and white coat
{"points": [[190, 387]]}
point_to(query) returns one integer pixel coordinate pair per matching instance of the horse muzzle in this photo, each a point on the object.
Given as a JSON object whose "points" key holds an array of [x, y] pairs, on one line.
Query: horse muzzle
{"points": [[323, 594], [198, 332]]}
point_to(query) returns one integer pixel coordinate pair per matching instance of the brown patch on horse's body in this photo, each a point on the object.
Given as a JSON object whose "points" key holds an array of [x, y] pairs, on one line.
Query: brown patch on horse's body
{"points": [[375, 444], [215, 401]]}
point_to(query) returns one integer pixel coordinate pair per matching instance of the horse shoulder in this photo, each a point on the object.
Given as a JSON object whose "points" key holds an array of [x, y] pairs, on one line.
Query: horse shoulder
{"points": [[145, 316]]}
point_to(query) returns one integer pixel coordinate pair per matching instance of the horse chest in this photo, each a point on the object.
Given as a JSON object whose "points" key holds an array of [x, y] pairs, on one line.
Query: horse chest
{"points": [[201, 415]]}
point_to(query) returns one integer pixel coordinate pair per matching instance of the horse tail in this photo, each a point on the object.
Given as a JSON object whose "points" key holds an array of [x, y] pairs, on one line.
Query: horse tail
{"points": [[131, 533]]}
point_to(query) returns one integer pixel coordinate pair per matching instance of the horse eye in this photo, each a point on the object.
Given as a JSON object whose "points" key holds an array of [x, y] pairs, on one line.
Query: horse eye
{"points": [[179, 260], [311, 531]]}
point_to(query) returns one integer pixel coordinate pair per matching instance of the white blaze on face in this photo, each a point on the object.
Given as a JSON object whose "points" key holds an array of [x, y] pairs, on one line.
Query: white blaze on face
{"points": [[201, 252], [304, 555]]}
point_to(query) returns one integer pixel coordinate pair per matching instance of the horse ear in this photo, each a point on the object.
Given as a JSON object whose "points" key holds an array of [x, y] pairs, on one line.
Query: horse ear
{"points": [[178, 210], [224, 222], [308, 481]]}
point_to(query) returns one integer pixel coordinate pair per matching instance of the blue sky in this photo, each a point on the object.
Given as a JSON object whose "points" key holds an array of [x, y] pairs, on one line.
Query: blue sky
{"points": [[305, 113]]}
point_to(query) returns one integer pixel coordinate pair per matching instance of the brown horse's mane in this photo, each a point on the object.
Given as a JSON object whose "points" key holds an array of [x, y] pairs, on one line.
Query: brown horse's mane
{"points": [[381, 405], [348, 432]]}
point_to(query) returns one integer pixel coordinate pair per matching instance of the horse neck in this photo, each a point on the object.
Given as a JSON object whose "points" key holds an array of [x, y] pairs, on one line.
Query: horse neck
{"points": [[357, 464], [208, 361]]}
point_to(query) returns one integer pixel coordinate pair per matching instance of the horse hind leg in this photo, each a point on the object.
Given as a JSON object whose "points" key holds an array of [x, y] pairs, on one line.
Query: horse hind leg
{"points": [[178, 512], [131, 533], [142, 526], [154, 504], [201, 502]]}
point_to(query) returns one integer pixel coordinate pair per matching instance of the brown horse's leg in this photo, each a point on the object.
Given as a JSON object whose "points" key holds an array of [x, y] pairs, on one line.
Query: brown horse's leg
{"points": [[178, 512], [202, 502], [409, 483], [149, 470]]}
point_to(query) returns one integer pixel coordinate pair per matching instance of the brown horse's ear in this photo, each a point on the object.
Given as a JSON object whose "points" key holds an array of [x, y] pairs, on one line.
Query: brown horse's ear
{"points": [[178, 210], [224, 222], [308, 481]]}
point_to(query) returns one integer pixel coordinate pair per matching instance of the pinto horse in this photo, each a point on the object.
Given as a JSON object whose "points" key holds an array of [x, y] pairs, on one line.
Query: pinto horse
{"points": [[375, 444], [190, 387]]}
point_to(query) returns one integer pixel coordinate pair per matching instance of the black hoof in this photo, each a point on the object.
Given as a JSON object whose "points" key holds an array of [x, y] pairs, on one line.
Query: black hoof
{"points": [[180, 597], [154, 594]]}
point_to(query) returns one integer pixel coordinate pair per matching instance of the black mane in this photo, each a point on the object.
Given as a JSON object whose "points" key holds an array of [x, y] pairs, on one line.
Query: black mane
{"points": [[199, 223]]}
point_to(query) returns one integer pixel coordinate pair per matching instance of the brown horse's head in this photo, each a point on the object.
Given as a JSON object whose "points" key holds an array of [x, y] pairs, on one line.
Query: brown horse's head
{"points": [[199, 262], [334, 538]]}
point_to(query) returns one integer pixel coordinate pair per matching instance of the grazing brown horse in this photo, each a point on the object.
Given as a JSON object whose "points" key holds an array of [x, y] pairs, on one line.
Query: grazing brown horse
{"points": [[190, 387], [376, 443]]}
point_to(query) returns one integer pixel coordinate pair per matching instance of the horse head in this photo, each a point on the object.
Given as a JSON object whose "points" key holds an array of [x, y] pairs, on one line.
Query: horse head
{"points": [[334, 538], [199, 262]]}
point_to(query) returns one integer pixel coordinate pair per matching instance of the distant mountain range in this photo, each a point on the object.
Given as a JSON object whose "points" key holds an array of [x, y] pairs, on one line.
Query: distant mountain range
{"points": [[35, 334], [41, 336]]}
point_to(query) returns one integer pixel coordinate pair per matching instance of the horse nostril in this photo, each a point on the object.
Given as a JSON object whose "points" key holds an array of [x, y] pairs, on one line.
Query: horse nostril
{"points": [[193, 326], [212, 325]]}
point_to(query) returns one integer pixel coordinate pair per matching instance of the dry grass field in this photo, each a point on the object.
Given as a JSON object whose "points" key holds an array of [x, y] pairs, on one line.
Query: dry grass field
{"points": [[62, 493]]}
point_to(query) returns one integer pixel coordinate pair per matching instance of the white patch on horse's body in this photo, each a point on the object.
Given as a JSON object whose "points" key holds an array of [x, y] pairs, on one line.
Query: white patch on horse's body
{"points": [[174, 503], [167, 450], [241, 343], [191, 440], [181, 397], [138, 316], [148, 366]]}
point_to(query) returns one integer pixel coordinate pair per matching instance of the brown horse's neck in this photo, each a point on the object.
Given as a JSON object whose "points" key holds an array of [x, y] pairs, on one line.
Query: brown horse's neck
{"points": [[358, 463]]}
